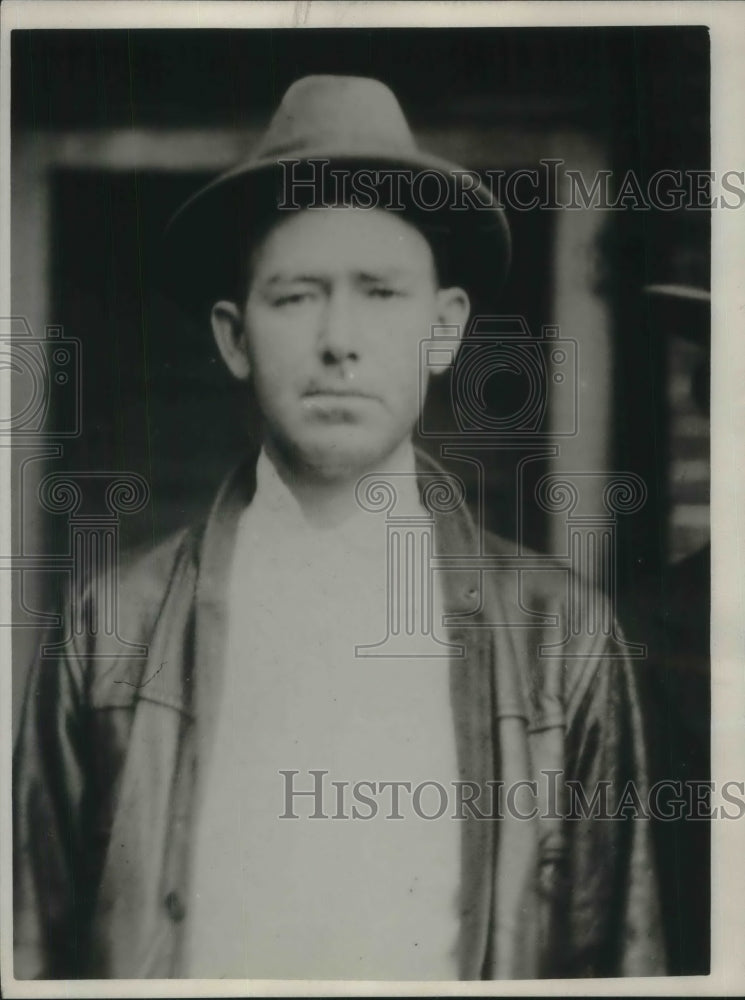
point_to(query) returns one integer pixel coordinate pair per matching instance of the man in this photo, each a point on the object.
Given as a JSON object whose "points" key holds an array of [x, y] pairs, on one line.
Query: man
{"points": [[168, 816]]}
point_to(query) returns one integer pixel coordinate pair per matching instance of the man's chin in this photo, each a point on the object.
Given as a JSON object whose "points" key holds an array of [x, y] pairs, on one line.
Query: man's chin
{"points": [[345, 454]]}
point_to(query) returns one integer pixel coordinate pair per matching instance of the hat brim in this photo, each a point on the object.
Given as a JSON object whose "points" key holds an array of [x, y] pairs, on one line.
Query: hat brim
{"points": [[684, 310], [206, 237]]}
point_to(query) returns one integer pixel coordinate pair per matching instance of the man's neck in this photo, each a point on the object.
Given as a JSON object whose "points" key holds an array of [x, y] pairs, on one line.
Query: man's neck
{"points": [[330, 502]]}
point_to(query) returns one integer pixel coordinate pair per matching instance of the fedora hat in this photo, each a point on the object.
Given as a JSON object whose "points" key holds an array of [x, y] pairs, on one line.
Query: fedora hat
{"points": [[348, 124]]}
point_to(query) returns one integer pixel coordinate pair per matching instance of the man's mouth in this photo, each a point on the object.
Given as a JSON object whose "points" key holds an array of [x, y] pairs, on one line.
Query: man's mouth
{"points": [[337, 393], [338, 405]]}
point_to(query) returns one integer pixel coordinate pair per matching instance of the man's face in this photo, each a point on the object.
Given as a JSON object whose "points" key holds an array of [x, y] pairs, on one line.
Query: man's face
{"points": [[339, 301]]}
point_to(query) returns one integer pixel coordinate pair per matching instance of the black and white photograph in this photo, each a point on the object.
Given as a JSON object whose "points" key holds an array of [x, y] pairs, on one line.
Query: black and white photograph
{"points": [[357, 498]]}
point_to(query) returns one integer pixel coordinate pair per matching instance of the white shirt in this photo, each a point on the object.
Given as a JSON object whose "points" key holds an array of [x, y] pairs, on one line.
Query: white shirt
{"points": [[322, 898]]}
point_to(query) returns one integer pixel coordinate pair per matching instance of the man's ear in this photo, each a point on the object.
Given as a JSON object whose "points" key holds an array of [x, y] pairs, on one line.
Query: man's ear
{"points": [[227, 329], [453, 310]]}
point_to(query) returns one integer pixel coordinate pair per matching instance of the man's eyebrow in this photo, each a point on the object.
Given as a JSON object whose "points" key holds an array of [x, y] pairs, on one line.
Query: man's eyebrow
{"points": [[280, 276], [386, 274]]}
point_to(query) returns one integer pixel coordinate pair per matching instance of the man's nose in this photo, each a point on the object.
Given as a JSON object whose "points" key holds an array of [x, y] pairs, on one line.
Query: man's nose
{"points": [[337, 335]]}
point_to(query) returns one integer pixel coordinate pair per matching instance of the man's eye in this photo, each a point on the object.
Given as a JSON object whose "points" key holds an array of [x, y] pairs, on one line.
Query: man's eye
{"points": [[292, 299], [383, 292]]}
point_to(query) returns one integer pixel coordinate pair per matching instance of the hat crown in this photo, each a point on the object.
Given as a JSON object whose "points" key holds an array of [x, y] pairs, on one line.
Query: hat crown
{"points": [[348, 120], [355, 114]]}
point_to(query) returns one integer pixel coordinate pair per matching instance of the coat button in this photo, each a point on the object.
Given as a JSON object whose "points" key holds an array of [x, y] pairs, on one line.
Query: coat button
{"points": [[175, 907]]}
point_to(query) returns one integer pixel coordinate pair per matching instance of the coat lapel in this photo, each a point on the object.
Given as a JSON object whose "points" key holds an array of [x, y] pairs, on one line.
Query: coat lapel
{"points": [[500, 856], [211, 605]]}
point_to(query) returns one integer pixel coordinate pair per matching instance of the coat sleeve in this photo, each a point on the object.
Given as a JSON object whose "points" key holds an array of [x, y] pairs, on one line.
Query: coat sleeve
{"points": [[613, 907], [68, 763], [49, 768]]}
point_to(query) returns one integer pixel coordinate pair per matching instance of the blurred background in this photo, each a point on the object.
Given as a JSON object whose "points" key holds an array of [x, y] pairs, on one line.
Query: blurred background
{"points": [[112, 130]]}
